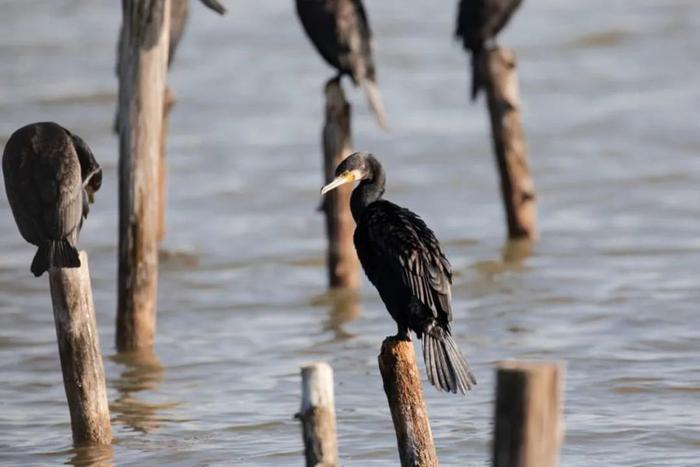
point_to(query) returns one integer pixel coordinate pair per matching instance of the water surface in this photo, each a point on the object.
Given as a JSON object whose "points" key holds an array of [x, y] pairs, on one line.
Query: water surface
{"points": [[610, 102]]}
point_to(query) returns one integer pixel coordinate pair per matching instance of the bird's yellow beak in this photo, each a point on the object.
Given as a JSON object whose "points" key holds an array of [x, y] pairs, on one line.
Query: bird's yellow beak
{"points": [[348, 176]]}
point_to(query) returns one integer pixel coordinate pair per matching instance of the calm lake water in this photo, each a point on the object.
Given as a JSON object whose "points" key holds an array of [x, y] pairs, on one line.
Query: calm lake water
{"points": [[610, 96]]}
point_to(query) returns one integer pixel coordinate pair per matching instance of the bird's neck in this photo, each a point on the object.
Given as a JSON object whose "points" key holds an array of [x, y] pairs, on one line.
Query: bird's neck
{"points": [[366, 193]]}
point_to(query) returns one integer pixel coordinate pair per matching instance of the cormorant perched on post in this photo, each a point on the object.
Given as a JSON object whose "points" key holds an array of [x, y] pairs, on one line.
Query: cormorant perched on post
{"points": [[478, 22], [403, 259], [50, 177], [340, 31]]}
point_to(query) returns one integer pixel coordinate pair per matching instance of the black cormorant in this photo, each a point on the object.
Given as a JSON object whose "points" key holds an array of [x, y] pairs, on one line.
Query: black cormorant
{"points": [[479, 21], [403, 259], [340, 31], [51, 177]]}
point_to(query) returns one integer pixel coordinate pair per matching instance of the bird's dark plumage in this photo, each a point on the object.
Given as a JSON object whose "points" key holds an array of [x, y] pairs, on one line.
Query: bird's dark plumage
{"points": [[339, 29], [50, 177], [403, 259], [478, 22]]}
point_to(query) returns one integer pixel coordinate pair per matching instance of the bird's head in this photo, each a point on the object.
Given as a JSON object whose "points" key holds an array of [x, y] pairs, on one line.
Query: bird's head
{"points": [[356, 167]]}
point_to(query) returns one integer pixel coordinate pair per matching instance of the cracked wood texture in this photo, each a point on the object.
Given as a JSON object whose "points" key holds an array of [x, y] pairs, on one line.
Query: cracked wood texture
{"points": [[343, 264], [397, 364], [142, 77], [528, 428], [79, 351], [317, 416], [498, 69]]}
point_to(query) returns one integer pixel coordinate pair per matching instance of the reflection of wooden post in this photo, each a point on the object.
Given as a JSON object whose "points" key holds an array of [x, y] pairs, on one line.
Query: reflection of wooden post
{"points": [[168, 103], [317, 416], [79, 350], [397, 364], [144, 53], [528, 415], [337, 145], [498, 68]]}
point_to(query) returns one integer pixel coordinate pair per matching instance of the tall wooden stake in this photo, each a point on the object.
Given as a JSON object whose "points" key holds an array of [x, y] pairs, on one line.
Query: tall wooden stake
{"points": [[343, 270], [498, 68], [143, 62], [168, 103], [528, 428], [79, 351], [397, 364], [317, 416]]}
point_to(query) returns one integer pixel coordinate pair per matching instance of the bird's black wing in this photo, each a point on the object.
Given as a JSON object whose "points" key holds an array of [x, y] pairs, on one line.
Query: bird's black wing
{"points": [[470, 20], [318, 17], [404, 246], [56, 175], [480, 20]]}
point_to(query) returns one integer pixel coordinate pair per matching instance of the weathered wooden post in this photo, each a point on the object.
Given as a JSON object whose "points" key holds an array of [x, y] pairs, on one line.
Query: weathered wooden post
{"points": [[317, 416], [498, 71], [343, 265], [168, 103], [142, 72], [397, 364], [79, 351], [528, 428]]}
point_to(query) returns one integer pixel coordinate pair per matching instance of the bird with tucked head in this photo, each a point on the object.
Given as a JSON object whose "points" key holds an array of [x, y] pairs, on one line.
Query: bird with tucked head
{"points": [[51, 177], [403, 259]]}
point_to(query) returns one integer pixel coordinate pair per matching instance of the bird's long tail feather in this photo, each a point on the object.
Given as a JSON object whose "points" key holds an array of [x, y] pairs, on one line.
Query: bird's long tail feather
{"points": [[447, 369], [57, 253], [477, 82], [375, 102]]}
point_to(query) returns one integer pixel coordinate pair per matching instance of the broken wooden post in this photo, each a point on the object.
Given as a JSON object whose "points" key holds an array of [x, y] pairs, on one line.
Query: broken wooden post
{"points": [[343, 265], [528, 429], [317, 416], [498, 70], [79, 351], [397, 364], [142, 72]]}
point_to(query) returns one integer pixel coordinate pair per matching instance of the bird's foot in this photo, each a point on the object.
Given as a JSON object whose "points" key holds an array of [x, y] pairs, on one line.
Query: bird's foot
{"points": [[402, 335]]}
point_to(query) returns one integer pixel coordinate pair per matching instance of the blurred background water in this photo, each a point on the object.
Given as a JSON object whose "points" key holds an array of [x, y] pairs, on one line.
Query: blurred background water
{"points": [[610, 98]]}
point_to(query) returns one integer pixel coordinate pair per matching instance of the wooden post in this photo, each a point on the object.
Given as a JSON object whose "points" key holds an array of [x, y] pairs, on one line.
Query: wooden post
{"points": [[397, 364], [142, 73], [79, 351], [343, 270], [498, 68], [317, 416], [528, 428], [168, 103]]}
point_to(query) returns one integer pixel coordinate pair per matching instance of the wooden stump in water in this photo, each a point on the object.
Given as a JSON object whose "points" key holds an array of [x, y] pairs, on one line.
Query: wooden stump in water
{"points": [[317, 416], [168, 103], [528, 429], [343, 264], [498, 69], [397, 364], [142, 75], [79, 351]]}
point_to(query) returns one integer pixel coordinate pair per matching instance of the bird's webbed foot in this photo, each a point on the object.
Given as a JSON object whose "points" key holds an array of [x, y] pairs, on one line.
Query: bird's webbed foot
{"points": [[403, 335]]}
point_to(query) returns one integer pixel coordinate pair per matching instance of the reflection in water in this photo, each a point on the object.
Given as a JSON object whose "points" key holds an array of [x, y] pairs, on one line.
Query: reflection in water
{"points": [[515, 252], [513, 256], [92, 455], [343, 307], [142, 372]]}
